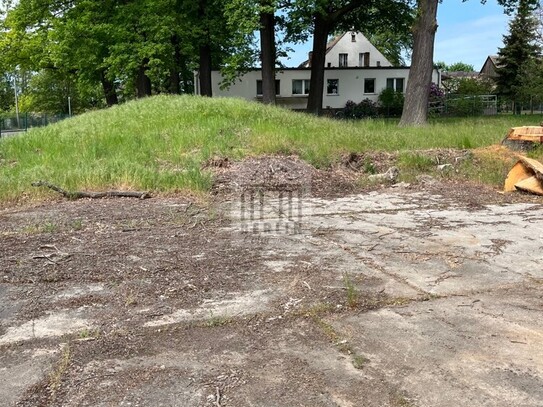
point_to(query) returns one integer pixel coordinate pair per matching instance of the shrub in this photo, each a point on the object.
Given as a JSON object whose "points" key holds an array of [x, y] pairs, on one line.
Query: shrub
{"points": [[465, 106], [365, 109], [391, 102], [436, 101]]}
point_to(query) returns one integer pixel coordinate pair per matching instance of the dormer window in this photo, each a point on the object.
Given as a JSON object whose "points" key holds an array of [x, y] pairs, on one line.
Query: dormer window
{"points": [[353, 37]]}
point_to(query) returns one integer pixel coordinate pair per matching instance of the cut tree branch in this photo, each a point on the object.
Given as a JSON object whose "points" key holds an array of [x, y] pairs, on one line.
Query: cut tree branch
{"points": [[93, 195]]}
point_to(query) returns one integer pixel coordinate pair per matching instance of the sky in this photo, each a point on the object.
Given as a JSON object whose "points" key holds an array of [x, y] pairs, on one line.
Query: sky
{"points": [[468, 32]]}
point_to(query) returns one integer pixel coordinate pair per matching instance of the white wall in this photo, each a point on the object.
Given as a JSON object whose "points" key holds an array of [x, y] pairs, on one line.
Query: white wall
{"points": [[351, 85], [353, 49]]}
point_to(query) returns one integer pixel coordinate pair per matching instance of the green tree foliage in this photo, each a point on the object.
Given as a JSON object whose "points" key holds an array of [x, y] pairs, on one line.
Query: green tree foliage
{"points": [[531, 87], [538, 15], [475, 86], [7, 94], [392, 44], [532, 72], [461, 67], [518, 53], [455, 67], [48, 92], [129, 48], [391, 102]]}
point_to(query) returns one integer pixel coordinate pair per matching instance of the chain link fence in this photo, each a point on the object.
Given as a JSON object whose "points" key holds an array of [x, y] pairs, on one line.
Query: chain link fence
{"points": [[11, 124]]}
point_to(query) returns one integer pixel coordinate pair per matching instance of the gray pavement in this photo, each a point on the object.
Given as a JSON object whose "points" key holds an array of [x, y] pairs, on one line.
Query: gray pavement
{"points": [[461, 323]]}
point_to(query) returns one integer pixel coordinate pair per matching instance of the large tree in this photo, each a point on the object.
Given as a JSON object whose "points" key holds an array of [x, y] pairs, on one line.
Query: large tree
{"points": [[324, 17], [415, 110], [518, 53], [132, 48], [416, 99], [267, 49], [247, 17]]}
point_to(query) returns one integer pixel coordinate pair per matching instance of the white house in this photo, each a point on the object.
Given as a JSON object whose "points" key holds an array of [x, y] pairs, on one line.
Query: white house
{"points": [[350, 50], [355, 70]]}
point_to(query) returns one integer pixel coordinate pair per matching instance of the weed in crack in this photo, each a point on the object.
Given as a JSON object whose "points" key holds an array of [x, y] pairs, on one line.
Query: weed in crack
{"points": [[55, 377], [217, 320], [77, 224], [352, 292], [358, 361]]}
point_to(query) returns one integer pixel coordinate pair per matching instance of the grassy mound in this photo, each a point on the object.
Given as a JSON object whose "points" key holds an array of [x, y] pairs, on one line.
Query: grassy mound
{"points": [[160, 143]]}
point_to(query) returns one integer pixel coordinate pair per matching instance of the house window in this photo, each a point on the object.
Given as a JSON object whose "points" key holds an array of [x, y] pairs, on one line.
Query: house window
{"points": [[259, 87], [378, 63], [369, 85], [300, 87], [353, 37], [364, 59], [329, 64], [396, 83], [332, 87], [343, 58]]}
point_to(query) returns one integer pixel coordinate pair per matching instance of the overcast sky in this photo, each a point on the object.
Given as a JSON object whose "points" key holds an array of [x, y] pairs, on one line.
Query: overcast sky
{"points": [[468, 32]]}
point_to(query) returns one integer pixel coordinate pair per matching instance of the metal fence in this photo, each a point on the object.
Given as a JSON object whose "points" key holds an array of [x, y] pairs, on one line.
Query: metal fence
{"points": [[464, 105], [523, 107], [14, 124]]}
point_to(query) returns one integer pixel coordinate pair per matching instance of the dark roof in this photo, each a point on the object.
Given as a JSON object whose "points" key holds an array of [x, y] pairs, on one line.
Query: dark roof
{"points": [[458, 74], [334, 41], [329, 46]]}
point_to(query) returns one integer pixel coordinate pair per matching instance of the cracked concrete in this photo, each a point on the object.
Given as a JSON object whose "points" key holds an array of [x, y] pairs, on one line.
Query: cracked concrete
{"points": [[450, 299]]}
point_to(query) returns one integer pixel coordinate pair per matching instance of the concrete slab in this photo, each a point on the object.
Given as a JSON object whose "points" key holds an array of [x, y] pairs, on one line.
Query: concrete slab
{"points": [[256, 311], [480, 350]]}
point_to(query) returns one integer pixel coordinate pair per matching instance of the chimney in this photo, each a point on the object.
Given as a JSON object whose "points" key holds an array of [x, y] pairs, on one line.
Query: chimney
{"points": [[309, 59]]}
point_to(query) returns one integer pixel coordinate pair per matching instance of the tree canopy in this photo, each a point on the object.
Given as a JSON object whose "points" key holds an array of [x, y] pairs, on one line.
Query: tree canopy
{"points": [[128, 48], [455, 67], [519, 53]]}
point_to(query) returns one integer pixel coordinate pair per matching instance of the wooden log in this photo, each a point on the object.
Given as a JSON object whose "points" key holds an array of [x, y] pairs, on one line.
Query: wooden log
{"points": [[532, 185], [93, 195], [526, 133], [518, 173], [534, 165]]}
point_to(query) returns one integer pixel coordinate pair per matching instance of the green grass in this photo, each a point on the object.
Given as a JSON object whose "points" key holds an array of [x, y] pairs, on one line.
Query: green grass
{"points": [[160, 143], [415, 161]]}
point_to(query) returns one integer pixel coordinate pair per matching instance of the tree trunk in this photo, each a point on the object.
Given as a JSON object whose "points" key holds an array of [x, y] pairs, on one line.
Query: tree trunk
{"points": [[143, 83], [415, 109], [267, 47], [205, 70], [205, 54], [316, 86], [109, 90], [175, 77]]}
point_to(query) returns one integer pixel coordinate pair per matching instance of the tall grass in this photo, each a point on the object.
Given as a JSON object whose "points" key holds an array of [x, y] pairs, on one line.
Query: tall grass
{"points": [[161, 142]]}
